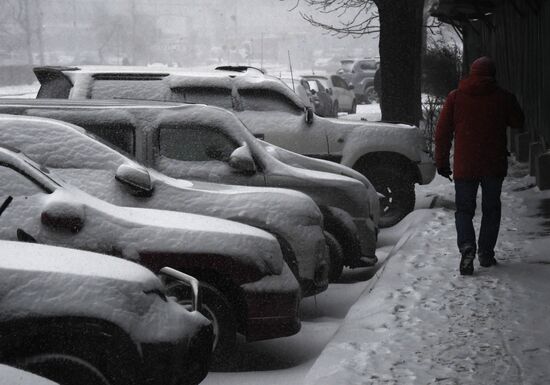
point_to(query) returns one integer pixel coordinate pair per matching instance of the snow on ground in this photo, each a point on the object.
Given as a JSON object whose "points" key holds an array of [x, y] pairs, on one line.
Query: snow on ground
{"points": [[419, 321], [366, 112], [423, 323]]}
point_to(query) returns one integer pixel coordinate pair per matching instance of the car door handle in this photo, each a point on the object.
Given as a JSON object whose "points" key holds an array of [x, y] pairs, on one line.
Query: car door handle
{"points": [[259, 136]]}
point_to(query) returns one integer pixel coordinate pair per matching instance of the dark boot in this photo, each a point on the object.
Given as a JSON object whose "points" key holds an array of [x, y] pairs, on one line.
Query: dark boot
{"points": [[467, 263], [487, 260]]}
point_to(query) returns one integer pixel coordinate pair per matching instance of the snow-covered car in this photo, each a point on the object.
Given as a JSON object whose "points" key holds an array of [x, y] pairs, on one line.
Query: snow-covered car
{"points": [[13, 376], [246, 285], [78, 317], [341, 93], [207, 143], [293, 218], [360, 74], [392, 156]]}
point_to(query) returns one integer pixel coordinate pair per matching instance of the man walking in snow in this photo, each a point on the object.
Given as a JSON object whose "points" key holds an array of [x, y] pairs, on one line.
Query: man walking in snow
{"points": [[476, 115]]}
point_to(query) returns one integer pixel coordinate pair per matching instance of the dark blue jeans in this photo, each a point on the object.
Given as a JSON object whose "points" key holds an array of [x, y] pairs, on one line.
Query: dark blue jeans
{"points": [[465, 198]]}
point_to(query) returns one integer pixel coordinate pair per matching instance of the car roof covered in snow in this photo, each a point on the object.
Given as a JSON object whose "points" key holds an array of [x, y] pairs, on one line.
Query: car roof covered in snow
{"points": [[176, 77]]}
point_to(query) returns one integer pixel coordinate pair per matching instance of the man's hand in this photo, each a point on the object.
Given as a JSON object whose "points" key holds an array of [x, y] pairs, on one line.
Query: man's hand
{"points": [[445, 172]]}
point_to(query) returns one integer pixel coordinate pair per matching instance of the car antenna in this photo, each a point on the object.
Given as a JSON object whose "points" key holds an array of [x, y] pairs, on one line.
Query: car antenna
{"points": [[291, 74]]}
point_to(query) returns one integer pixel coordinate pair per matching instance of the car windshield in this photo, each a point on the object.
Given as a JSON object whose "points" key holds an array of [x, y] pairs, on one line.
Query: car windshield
{"points": [[347, 65]]}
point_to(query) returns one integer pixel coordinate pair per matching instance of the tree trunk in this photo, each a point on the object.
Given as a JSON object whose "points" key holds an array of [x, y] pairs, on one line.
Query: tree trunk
{"points": [[401, 24]]}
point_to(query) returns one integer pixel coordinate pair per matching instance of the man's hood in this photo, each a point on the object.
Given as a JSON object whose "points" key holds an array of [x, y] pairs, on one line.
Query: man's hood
{"points": [[478, 85]]}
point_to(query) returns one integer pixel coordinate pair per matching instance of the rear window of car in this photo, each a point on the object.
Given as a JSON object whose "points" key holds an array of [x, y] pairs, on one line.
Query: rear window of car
{"points": [[214, 96], [347, 65], [130, 89], [256, 99], [367, 65], [120, 135], [58, 87]]}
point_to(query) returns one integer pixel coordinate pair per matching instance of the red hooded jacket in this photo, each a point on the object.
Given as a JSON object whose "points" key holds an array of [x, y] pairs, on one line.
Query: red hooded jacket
{"points": [[477, 114]]}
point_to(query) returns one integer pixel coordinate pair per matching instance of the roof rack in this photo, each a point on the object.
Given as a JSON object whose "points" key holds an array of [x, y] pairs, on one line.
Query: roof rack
{"points": [[129, 76], [238, 68]]}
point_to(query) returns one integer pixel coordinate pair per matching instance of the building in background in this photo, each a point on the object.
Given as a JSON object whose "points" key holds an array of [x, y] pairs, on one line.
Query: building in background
{"points": [[516, 34]]}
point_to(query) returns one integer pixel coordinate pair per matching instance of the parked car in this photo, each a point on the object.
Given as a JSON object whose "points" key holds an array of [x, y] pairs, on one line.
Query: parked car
{"points": [[360, 74], [301, 88], [322, 98], [13, 376], [77, 317], [293, 218], [392, 156], [341, 94], [246, 285], [211, 144]]}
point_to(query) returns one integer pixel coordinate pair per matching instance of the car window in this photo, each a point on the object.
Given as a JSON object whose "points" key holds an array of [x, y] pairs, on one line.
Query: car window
{"points": [[215, 96], [257, 99], [58, 87], [337, 81], [367, 65], [347, 65], [130, 89], [16, 184], [120, 135], [194, 142], [324, 82], [313, 85]]}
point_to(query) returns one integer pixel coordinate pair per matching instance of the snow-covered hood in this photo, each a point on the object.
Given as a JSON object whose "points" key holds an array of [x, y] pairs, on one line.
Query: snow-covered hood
{"points": [[46, 281], [147, 230], [357, 195], [259, 206]]}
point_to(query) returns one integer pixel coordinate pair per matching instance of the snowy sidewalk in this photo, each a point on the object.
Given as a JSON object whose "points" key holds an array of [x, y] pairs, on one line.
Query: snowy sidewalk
{"points": [[423, 323]]}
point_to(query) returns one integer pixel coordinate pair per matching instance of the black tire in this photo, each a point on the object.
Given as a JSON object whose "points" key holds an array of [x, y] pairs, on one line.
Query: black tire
{"points": [[353, 107], [370, 96], [217, 308], [398, 190], [335, 108], [336, 253], [63, 369]]}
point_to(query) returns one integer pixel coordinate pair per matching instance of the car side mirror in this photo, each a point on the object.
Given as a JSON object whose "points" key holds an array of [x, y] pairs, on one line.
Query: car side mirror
{"points": [[136, 179], [329, 91], [241, 160], [351, 86], [309, 114], [64, 216]]}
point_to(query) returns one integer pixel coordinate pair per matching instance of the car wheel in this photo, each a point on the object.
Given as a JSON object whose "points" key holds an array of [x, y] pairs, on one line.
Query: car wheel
{"points": [[217, 308], [370, 96], [335, 108], [353, 107], [336, 253], [398, 191], [63, 369]]}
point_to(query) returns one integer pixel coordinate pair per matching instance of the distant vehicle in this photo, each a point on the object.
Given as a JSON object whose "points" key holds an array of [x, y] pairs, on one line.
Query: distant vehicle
{"points": [[293, 218], [246, 285], [341, 93], [210, 144], [77, 317], [360, 74], [301, 88], [322, 100], [392, 156]]}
